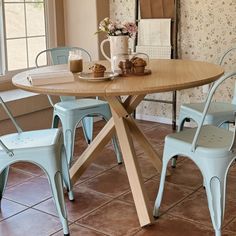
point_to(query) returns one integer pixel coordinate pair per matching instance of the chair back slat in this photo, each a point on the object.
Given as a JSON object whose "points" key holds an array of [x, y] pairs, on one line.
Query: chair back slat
{"points": [[59, 56], [223, 60]]}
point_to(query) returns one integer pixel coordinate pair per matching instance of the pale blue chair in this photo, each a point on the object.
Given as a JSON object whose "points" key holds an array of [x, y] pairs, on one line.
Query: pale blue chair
{"points": [[212, 149], [219, 113], [45, 149], [70, 111]]}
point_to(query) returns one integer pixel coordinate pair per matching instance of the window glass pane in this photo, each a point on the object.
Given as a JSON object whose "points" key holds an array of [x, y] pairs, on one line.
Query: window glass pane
{"points": [[34, 0], [14, 1], [35, 19], [25, 33], [23, 0], [15, 20], [35, 46], [16, 54]]}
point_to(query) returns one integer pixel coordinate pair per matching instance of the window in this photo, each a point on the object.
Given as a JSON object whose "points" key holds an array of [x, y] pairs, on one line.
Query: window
{"points": [[23, 33]]}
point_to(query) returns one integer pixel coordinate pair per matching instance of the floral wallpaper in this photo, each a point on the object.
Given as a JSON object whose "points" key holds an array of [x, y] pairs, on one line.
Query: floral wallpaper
{"points": [[206, 30], [123, 10]]}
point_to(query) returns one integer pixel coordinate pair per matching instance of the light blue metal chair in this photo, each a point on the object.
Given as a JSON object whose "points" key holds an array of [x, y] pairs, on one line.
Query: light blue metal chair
{"points": [[41, 147], [219, 113], [70, 111], [212, 149]]}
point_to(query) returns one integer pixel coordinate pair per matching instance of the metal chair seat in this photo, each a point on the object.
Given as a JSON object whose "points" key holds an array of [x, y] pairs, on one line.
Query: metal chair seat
{"points": [[81, 104], [71, 113], [218, 113], [212, 140]]}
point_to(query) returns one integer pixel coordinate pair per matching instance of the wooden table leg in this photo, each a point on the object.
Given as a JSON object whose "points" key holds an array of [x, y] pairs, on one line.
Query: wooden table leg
{"points": [[146, 145], [125, 126], [121, 116], [142, 140], [133, 171], [90, 153], [124, 110]]}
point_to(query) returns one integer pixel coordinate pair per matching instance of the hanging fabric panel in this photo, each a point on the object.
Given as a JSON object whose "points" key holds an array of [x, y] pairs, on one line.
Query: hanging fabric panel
{"points": [[157, 9]]}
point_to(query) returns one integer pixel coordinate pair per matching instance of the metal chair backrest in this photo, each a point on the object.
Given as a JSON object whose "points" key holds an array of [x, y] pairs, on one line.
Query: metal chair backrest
{"points": [[56, 56], [208, 102], [223, 60]]}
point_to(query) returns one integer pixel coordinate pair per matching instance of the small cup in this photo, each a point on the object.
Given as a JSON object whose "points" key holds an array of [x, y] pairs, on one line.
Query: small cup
{"points": [[75, 61]]}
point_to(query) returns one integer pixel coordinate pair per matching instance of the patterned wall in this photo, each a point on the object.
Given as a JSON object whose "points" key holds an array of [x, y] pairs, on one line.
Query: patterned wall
{"points": [[206, 29]]}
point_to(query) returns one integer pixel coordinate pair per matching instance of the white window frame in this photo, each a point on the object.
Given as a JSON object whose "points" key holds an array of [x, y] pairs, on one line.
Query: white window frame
{"points": [[2, 46], [51, 38]]}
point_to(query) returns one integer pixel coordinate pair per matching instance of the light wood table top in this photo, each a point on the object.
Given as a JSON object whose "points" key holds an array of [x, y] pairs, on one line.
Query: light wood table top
{"points": [[167, 75]]}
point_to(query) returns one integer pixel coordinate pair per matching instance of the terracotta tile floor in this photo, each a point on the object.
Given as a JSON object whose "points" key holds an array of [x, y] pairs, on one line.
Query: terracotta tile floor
{"points": [[103, 202]]}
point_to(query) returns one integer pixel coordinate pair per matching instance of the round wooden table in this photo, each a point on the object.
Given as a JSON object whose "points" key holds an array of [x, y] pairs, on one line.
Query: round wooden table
{"points": [[167, 75]]}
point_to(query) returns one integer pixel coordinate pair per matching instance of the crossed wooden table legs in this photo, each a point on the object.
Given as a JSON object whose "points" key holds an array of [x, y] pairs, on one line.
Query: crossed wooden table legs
{"points": [[124, 125]]}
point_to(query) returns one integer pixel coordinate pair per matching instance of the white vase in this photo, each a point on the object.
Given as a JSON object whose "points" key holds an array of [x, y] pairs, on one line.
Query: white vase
{"points": [[118, 45]]}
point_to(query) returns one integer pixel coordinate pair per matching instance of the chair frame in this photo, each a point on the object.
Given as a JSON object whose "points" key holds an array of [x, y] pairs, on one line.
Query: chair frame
{"points": [[100, 108], [52, 56], [213, 166], [182, 120], [221, 121], [52, 160]]}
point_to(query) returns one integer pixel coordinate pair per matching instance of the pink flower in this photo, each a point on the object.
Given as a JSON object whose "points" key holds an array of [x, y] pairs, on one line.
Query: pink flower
{"points": [[117, 28], [131, 28]]}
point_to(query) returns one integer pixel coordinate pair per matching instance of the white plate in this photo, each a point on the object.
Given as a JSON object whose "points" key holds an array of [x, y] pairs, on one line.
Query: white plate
{"points": [[90, 76]]}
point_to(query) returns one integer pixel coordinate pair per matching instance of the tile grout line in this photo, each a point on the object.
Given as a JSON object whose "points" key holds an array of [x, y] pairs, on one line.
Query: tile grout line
{"points": [[194, 191]]}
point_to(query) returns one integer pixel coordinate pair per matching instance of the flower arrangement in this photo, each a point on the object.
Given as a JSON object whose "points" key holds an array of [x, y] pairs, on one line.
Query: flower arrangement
{"points": [[117, 28]]}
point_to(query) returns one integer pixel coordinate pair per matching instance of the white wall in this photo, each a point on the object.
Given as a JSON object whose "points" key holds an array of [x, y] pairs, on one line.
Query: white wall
{"points": [[81, 22]]}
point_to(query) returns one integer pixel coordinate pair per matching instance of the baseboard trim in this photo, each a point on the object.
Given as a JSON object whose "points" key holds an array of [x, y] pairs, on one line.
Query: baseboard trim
{"points": [[162, 120], [22, 103], [158, 119]]}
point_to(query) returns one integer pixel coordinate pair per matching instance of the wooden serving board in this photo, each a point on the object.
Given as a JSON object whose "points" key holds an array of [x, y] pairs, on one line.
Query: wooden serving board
{"points": [[146, 72]]}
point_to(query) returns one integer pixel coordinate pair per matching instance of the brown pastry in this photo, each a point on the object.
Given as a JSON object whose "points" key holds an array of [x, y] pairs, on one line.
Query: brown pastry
{"points": [[125, 66], [98, 70], [139, 65]]}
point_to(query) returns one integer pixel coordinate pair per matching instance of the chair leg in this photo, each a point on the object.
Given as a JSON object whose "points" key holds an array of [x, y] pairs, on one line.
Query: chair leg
{"points": [[3, 181], [161, 186], [224, 126], [66, 175], [215, 190], [173, 161], [57, 190], [119, 158], [87, 125], [68, 139], [180, 127], [55, 121], [182, 119], [117, 150]]}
